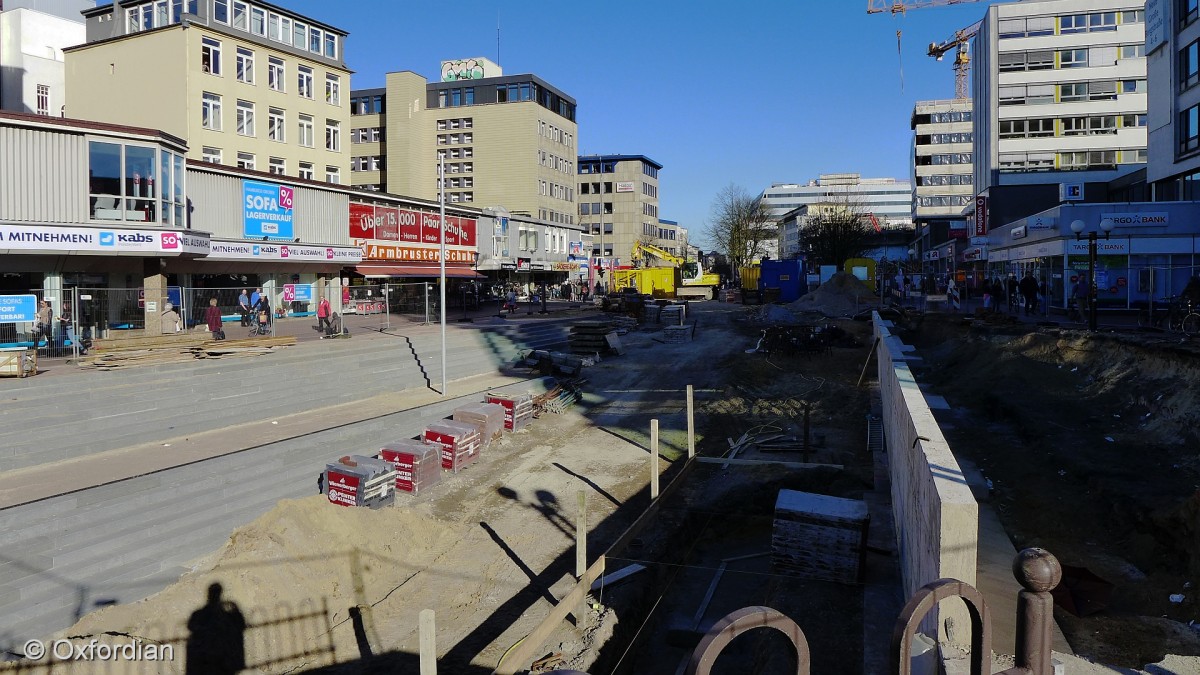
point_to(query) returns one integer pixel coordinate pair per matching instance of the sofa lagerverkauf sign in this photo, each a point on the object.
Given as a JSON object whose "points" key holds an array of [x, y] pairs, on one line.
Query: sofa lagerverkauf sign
{"points": [[267, 210], [392, 224]]}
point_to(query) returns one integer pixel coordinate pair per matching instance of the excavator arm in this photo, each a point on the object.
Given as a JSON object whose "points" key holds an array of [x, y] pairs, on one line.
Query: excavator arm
{"points": [[640, 249]]}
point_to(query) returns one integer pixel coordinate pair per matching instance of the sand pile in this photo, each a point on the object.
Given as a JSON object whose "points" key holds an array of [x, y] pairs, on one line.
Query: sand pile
{"points": [[302, 555], [842, 295]]}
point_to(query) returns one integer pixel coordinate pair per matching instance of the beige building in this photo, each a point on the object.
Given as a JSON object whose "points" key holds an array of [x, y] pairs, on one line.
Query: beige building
{"points": [[508, 141], [246, 84], [618, 205]]}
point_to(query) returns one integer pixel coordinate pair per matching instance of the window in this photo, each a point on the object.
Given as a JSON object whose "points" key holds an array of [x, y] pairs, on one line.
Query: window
{"points": [[1131, 51], [221, 10], [277, 165], [285, 31], [275, 73], [245, 118], [331, 45], [273, 27], [304, 81], [1072, 23], [241, 14], [306, 131], [137, 183], [1133, 16], [333, 89], [1102, 21], [245, 160], [306, 170], [333, 135], [245, 65], [1135, 120], [299, 35], [210, 55], [210, 111], [1132, 87], [1073, 58], [1189, 130], [275, 124], [1075, 91], [43, 99], [1189, 65], [333, 175], [258, 21], [314, 40], [211, 155]]}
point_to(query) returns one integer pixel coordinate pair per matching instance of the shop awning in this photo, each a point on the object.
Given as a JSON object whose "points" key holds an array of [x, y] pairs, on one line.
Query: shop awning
{"points": [[373, 270]]}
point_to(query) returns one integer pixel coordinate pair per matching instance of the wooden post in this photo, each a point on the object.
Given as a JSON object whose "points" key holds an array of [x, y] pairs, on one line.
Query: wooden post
{"points": [[874, 346], [581, 537], [691, 424], [428, 642], [653, 459]]}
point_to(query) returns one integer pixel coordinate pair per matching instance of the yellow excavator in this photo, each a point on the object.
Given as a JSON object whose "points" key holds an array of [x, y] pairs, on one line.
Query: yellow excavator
{"points": [[680, 278]]}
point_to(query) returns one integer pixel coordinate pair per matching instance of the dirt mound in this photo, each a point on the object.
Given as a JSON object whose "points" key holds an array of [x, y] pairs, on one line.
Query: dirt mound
{"points": [[301, 555], [842, 295]]}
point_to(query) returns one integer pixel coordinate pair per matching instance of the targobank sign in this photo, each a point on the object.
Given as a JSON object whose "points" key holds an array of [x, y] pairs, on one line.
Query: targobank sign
{"points": [[267, 210]]}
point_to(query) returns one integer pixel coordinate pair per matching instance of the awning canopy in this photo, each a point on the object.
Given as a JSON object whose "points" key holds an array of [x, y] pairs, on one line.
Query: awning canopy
{"points": [[379, 270]]}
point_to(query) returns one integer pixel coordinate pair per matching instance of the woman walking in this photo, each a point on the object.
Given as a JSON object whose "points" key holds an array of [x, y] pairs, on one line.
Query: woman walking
{"points": [[212, 317]]}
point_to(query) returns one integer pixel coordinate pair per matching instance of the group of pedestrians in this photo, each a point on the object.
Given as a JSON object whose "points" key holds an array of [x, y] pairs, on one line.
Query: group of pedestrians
{"points": [[254, 307], [1025, 294]]}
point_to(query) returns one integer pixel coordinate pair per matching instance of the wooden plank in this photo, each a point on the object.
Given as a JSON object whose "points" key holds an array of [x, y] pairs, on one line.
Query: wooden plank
{"points": [[726, 461], [618, 576]]}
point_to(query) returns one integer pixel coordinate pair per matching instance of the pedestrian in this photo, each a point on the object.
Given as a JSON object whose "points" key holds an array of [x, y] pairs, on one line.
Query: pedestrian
{"points": [[212, 317], [254, 298], [1010, 288], [263, 308], [44, 325], [321, 483], [244, 307], [171, 323], [510, 301], [1080, 295], [1028, 287], [998, 301], [323, 316]]}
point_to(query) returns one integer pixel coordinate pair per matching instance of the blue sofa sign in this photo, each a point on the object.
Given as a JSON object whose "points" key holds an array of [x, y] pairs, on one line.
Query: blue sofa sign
{"points": [[14, 308], [267, 210]]}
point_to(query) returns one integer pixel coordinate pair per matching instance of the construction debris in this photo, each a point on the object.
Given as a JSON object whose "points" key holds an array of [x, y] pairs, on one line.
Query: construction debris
{"points": [[676, 334], [564, 395], [555, 363], [672, 315], [211, 349], [820, 537]]}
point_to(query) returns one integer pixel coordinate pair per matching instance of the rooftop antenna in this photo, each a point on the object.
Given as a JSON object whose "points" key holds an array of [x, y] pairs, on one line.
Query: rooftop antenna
{"points": [[497, 37]]}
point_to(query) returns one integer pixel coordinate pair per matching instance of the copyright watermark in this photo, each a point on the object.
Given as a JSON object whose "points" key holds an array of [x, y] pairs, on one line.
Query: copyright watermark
{"points": [[95, 650]]}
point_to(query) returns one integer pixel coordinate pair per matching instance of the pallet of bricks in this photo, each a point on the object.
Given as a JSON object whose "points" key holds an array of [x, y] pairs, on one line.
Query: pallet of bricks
{"points": [[518, 409], [460, 443], [418, 464], [487, 418], [355, 480]]}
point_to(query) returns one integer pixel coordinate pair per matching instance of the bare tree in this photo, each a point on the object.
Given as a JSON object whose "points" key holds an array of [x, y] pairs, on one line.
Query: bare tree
{"points": [[836, 230], [739, 226]]}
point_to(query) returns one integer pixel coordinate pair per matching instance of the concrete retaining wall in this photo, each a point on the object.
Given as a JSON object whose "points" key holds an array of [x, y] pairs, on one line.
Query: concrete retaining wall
{"points": [[937, 518]]}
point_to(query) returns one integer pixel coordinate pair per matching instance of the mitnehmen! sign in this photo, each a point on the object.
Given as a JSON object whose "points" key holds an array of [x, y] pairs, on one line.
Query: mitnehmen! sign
{"points": [[101, 240]]}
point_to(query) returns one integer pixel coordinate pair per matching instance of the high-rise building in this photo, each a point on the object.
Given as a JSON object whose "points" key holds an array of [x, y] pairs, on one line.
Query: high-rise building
{"points": [[942, 167], [507, 140], [1059, 86], [1173, 71], [618, 204], [246, 84], [35, 32], [888, 199]]}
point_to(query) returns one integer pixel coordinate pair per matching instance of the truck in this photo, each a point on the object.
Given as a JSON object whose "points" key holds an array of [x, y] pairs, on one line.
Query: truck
{"points": [[679, 278], [774, 281]]}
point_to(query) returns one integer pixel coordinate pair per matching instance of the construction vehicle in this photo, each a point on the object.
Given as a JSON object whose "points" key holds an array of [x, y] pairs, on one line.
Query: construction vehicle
{"points": [[681, 279]]}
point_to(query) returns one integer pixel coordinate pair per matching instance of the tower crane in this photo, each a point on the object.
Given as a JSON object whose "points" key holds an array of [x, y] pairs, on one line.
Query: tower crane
{"points": [[962, 55], [902, 6]]}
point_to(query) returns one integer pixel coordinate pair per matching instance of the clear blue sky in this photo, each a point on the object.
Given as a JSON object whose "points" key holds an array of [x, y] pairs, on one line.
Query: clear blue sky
{"points": [[748, 93]]}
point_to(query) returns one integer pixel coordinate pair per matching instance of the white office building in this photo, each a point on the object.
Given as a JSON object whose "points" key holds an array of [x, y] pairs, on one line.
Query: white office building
{"points": [[33, 34], [1173, 69], [1059, 86], [886, 201]]}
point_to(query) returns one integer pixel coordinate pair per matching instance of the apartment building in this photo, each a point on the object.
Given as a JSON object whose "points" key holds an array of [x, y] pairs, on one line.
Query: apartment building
{"points": [[35, 32], [618, 205], [886, 201], [1059, 86], [246, 84], [942, 166], [507, 140], [1173, 70]]}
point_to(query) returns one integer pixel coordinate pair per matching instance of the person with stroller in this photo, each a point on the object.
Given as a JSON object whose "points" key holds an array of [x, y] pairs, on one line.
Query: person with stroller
{"points": [[262, 311]]}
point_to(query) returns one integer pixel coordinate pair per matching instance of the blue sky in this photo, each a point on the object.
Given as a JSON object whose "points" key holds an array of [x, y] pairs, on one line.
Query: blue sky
{"points": [[748, 93]]}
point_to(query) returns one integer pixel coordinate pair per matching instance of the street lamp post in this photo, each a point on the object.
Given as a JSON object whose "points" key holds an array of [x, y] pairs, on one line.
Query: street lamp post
{"points": [[1077, 226]]}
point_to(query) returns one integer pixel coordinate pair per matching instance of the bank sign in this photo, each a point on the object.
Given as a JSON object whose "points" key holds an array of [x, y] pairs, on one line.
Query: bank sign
{"points": [[267, 210]]}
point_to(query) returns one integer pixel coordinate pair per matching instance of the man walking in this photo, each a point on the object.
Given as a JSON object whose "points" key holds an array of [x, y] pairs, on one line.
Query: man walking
{"points": [[244, 307], [1029, 288]]}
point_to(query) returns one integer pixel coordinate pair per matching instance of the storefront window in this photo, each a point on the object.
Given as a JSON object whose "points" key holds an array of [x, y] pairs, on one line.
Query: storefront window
{"points": [[134, 183]]}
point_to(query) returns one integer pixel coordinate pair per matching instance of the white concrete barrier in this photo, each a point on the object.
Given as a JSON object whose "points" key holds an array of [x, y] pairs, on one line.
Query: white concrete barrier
{"points": [[936, 516]]}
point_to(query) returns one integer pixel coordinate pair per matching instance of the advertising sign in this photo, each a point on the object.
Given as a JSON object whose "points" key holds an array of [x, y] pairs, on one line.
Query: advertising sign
{"points": [[386, 223], [101, 240], [1156, 24], [18, 308], [625, 186], [576, 248], [297, 293], [240, 250], [372, 251], [267, 210], [342, 488], [981, 216]]}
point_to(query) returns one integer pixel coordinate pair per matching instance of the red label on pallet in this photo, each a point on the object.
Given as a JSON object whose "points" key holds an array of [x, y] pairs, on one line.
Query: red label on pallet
{"points": [[509, 406], [403, 461], [447, 444], [343, 489]]}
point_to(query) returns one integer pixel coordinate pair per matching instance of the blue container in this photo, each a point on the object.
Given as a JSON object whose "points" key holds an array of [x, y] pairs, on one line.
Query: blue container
{"points": [[789, 276]]}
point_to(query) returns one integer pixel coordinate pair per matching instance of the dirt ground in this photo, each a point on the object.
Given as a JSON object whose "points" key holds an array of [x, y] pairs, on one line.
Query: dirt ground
{"points": [[1090, 445]]}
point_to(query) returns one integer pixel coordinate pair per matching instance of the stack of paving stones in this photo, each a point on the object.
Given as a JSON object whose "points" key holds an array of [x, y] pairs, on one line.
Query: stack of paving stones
{"points": [[588, 337], [677, 334], [418, 464], [460, 443], [672, 315], [819, 537], [518, 409]]}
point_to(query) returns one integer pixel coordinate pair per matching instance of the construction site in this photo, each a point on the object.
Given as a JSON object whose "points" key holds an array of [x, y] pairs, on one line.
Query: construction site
{"points": [[634, 490]]}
